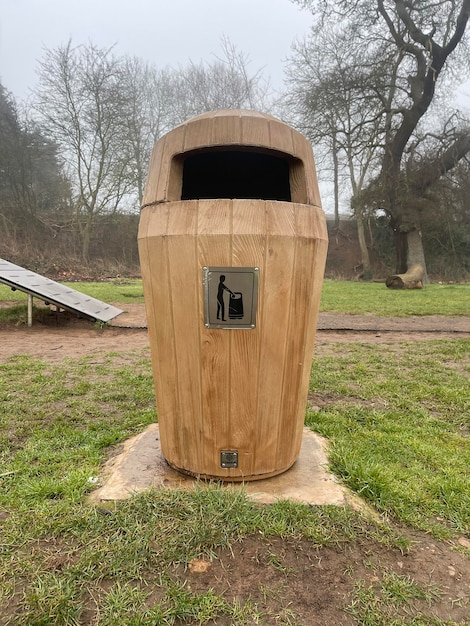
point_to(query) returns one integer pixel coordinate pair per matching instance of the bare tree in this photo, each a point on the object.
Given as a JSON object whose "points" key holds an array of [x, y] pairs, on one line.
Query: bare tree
{"points": [[81, 103], [331, 102], [428, 39], [225, 83], [148, 112], [407, 46], [106, 112], [157, 100]]}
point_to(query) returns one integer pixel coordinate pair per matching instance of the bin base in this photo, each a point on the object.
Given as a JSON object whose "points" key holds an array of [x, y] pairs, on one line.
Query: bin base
{"points": [[230, 479], [141, 466]]}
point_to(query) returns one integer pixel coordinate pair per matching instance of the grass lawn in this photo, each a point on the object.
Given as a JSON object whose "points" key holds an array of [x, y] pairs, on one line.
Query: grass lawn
{"points": [[397, 418], [376, 299], [398, 422], [337, 296]]}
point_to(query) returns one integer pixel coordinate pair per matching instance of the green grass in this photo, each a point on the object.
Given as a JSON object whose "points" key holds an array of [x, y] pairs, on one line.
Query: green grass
{"points": [[398, 420], [337, 296], [387, 602], [117, 290], [16, 314], [376, 299]]}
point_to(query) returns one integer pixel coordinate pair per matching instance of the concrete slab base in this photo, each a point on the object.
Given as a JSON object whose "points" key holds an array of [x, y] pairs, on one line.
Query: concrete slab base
{"points": [[141, 466]]}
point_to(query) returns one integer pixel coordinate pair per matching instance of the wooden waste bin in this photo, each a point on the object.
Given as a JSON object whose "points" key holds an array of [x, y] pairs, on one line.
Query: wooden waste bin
{"points": [[232, 244]]}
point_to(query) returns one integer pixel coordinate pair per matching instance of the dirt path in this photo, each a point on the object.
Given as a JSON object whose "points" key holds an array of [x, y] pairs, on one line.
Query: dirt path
{"points": [[70, 337]]}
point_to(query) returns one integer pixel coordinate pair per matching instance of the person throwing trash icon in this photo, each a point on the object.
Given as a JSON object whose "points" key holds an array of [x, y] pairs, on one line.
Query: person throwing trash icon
{"points": [[220, 298]]}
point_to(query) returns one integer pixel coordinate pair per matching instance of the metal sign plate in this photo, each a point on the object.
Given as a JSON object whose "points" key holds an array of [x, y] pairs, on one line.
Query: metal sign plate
{"points": [[230, 297]]}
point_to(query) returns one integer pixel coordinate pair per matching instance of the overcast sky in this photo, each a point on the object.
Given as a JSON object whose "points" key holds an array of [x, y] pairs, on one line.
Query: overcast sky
{"points": [[163, 32]]}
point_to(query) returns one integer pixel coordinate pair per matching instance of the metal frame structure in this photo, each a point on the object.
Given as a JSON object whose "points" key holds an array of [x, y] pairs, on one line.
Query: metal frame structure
{"points": [[51, 292]]}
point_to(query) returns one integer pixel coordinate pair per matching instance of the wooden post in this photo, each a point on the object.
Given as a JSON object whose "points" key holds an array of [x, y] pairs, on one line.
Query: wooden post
{"points": [[30, 310]]}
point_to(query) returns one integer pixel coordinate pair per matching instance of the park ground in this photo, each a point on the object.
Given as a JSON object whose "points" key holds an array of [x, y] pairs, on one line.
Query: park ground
{"points": [[294, 580]]}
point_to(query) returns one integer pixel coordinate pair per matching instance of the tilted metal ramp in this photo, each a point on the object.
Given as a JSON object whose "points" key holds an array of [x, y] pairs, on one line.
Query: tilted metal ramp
{"points": [[50, 292]]}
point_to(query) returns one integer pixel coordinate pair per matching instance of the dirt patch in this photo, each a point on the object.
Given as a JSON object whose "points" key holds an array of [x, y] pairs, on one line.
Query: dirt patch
{"points": [[283, 576], [59, 337], [293, 581], [53, 345]]}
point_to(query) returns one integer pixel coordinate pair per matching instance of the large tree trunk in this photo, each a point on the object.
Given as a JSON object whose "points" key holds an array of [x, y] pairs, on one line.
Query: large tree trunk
{"points": [[399, 237], [86, 230], [410, 252], [365, 258], [415, 249]]}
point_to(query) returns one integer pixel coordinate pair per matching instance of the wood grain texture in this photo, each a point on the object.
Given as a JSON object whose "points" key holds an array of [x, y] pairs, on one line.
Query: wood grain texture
{"points": [[215, 248], [241, 390], [154, 176], [303, 151], [230, 128], [248, 246], [237, 389], [157, 289]]}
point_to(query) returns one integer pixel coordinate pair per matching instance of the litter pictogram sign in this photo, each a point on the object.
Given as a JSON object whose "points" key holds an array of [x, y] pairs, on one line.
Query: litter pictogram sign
{"points": [[230, 297]]}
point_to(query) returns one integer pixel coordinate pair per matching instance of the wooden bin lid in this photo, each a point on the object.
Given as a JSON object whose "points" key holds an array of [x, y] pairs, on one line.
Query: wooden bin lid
{"points": [[230, 128]]}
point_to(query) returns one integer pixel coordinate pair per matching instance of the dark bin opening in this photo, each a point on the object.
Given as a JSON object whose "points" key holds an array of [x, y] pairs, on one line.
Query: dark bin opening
{"points": [[236, 174]]}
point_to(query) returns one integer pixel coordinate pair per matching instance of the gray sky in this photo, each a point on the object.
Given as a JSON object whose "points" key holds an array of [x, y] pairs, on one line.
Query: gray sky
{"points": [[163, 32]]}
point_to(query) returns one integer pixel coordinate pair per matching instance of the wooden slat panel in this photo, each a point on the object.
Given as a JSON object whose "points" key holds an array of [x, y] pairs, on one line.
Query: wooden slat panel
{"points": [[248, 250], [170, 181], [153, 175], [226, 130], [183, 219], [157, 289], [144, 223], [249, 230], [184, 280], [215, 218], [214, 249], [281, 137], [255, 131], [157, 216], [311, 222], [303, 150], [297, 181], [275, 293], [280, 219], [198, 134], [290, 431]]}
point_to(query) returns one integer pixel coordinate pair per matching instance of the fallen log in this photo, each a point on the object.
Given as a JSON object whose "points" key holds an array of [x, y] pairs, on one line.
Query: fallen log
{"points": [[411, 279]]}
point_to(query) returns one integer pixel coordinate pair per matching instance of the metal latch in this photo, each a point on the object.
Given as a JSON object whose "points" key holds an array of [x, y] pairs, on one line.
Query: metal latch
{"points": [[228, 458]]}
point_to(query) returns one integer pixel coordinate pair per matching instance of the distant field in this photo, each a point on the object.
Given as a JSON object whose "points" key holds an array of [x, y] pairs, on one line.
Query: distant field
{"points": [[376, 299], [337, 296]]}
